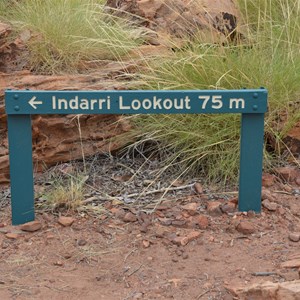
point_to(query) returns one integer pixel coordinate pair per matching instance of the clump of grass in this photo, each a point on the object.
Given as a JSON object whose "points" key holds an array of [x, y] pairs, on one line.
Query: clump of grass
{"points": [[66, 35], [66, 194], [196, 143], [269, 56]]}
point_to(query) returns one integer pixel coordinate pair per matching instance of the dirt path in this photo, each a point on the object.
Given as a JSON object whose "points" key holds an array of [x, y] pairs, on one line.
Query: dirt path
{"points": [[190, 247]]}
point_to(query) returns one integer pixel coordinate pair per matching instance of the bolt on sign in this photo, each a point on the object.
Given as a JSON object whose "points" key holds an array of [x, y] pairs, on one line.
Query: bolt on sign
{"points": [[20, 105]]}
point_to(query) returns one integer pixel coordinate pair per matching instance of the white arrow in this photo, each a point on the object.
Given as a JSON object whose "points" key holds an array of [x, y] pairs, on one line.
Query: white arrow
{"points": [[33, 103]]}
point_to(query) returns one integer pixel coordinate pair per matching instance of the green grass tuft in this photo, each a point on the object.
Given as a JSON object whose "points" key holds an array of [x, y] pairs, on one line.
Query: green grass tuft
{"points": [[268, 56], [66, 194], [66, 35]]}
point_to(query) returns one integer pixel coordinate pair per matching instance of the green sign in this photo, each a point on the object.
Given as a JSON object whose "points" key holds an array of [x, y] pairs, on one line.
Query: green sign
{"points": [[135, 102], [20, 105]]}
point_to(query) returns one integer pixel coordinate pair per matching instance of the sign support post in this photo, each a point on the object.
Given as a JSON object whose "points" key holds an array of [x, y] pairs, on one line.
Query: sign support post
{"points": [[21, 168], [251, 162], [20, 105]]}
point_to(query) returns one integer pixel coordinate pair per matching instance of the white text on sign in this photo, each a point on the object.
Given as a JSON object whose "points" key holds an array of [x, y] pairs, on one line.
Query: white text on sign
{"points": [[152, 103]]}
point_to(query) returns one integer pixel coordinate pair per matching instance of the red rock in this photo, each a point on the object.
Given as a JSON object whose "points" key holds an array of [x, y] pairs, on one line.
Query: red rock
{"points": [[190, 237], [287, 188], [292, 139], [179, 252], [108, 205], [12, 236], [200, 221], [191, 208], [138, 296], [31, 226], [129, 217], [184, 240], [165, 221], [50, 236], [118, 212], [234, 200], [294, 237], [67, 255], [298, 180], [271, 206], [293, 263], [49, 151], [144, 227], [266, 194], [185, 255], [214, 208], [198, 188], [48, 218], [228, 207], [160, 232], [268, 180], [81, 242], [179, 223], [288, 173], [4, 230], [177, 240], [174, 17], [146, 244], [65, 221], [268, 290], [245, 227]]}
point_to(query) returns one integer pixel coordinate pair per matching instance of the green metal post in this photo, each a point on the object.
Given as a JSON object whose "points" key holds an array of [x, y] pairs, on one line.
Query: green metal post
{"points": [[252, 141], [21, 168]]}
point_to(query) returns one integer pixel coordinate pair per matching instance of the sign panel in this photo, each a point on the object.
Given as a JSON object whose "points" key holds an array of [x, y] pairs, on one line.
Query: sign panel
{"points": [[20, 105], [135, 102]]}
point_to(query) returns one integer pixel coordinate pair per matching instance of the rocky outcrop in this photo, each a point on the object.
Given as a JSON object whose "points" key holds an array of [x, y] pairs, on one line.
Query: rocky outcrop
{"points": [[60, 138], [213, 20]]}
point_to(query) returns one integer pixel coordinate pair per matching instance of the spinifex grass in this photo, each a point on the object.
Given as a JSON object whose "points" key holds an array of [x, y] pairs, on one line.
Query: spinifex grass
{"points": [[68, 34], [268, 55], [196, 142], [66, 194]]}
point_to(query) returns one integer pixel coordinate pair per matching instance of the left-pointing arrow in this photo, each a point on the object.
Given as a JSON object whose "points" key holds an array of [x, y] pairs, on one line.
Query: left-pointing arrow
{"points": [[33, 102]]}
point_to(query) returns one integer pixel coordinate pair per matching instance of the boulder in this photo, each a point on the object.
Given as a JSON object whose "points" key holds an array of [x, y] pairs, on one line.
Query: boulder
{"points": [[213, 20]]}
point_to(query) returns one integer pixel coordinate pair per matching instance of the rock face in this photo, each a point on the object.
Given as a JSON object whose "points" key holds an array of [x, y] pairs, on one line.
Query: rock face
{"points": [[179, 18], [60, 138], [5, 30]]}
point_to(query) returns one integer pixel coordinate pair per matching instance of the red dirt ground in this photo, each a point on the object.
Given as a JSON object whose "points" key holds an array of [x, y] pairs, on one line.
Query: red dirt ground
{"points": [[105, 257]]}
